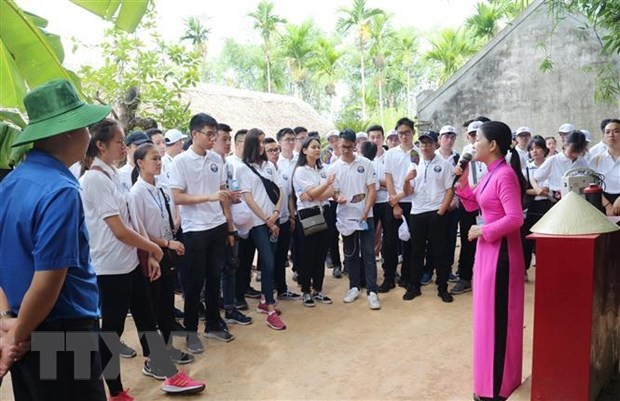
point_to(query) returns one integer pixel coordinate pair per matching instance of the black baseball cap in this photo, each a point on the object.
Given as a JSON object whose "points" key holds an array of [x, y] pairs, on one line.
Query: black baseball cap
{"points": [[137, 138]]}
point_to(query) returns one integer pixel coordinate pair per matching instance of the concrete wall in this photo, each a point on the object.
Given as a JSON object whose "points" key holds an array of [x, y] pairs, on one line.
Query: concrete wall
{"points": [[503, 80]]}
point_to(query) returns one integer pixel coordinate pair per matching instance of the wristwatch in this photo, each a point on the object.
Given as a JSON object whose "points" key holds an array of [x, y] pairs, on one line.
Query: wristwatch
{"points": [[6, 313]]}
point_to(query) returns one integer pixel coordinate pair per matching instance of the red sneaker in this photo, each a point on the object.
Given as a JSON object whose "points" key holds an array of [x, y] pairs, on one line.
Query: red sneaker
{"points": [[182, 384], [262, 308], [122, 396], [274, 321]]}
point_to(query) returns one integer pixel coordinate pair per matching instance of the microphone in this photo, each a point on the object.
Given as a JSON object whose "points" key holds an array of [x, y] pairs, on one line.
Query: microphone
{"points": [[463, 162]]}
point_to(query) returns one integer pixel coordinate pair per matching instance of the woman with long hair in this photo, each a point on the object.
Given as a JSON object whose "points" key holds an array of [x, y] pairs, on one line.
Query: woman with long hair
{"points": [[155, 208], [114, 240], [312, 187], [265, 229], [498, 285]]}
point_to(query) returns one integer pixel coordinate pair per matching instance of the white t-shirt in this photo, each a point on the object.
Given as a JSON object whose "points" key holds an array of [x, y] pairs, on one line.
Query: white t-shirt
{"points": [[453, 158], [597, 149], [350, 180], [164, 177], [199, 175], [248, 181], [530, 171], [433, 179], [284, 182], [397, 163], [150, 207], [304, 178], [104, 197], [554, 168], [379, 162], [125, 175], [604, 164]]}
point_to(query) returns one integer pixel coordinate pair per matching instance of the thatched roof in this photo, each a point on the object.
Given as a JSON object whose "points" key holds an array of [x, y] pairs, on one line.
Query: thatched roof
{"points": [[247, 109]]}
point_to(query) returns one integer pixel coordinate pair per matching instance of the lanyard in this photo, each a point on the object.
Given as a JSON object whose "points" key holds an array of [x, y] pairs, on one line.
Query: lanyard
{"points": [[426, 166], [158, 202], [489, 177]]}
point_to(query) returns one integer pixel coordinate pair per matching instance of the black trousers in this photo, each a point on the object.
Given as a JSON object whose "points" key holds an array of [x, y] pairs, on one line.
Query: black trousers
{"points": [[27, 374], [284, 242], [431, 227], [334, 235], [243, 274], [535, 211], [391, 246], [206, 256], [468, 248], [162, 297], [378, 212], [119, 293], [313, 251]]}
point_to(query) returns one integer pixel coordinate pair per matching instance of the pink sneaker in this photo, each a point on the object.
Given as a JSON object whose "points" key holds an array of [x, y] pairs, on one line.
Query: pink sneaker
{"points": [[182, 384], [262, 308], [274, 321], [122, 396]]}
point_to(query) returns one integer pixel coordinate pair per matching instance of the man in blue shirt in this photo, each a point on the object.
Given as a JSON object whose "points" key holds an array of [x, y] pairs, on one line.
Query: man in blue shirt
{"points": [[45, 268]]}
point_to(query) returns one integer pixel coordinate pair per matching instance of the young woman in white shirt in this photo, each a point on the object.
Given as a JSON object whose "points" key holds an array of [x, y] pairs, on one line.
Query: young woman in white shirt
{"points": [[265, 227], [113, 243], [153, 205], [608, 164], [311, 188]]}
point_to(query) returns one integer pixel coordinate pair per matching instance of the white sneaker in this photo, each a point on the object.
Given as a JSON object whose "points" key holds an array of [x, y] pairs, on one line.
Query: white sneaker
{"points": [[351, 295], [373, 301]]}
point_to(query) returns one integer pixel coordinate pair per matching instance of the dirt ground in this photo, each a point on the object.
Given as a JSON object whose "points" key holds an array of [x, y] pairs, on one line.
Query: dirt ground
{"points": [[416, 350]]}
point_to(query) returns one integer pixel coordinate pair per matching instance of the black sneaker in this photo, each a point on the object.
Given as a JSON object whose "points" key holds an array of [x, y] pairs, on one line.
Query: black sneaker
{"points": [[322, 298], [180, 357], [289, 295], [445, 297], [241, 304], [152, 370], [233, 316], [177, 328], [127, 351], [194, 345], [337, 272], [252, 293], [461, 287], [402, 283], [307, 301], [178, 313], [411, 293], [386, 286], [221, 335]]}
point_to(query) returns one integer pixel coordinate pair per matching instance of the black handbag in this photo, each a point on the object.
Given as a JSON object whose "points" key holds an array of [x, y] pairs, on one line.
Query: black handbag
{"points": [[272, 189], [173, 257], [312, 220]]}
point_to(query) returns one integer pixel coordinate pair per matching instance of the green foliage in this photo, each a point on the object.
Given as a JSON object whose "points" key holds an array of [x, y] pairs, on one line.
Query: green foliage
{"points": [[451, 48], [159, 71], [126, 14]]}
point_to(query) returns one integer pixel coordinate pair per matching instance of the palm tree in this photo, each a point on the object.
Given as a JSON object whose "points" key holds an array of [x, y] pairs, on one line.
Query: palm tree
{"points": [[406, 50], [325, 62], [451, 49], [358, 17], [485, 22], [296, 45], [266, 22], [380, 34]]}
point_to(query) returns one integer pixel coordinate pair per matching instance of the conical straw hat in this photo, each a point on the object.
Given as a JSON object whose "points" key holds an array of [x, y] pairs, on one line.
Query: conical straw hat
{"points": [[573, 215]]}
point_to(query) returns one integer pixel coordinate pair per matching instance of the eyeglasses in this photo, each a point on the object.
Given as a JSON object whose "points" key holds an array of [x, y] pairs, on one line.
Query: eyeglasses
{"points": [[405, 133], [288, 140], [209, 134], [274, 150]]}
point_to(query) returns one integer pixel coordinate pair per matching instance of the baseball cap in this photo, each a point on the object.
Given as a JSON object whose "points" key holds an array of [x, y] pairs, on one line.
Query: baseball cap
{"points": [[587, 134], [566, 128], [392, 133], [361, 135], [136, 138], [473, 126], [432, 135], [173, 136], [331, 134], [447, 129], [523, 130]]}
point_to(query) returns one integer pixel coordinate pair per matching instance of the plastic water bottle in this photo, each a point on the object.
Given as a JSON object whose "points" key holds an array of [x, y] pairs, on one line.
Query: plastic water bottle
{"points": [[234, 185], [363, 225]]}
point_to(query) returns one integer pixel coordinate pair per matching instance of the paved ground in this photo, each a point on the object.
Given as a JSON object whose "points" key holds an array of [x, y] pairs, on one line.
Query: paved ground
{"points": [[417, 350]]}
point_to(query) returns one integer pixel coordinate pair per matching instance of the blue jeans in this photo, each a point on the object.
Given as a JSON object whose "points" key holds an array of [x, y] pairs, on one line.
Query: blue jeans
{"points": [[364, 242], [266, 251]]}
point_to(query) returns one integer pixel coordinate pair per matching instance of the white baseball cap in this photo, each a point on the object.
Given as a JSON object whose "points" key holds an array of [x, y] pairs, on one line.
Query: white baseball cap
{"points": [[473, 126], [392, 133], [173, 136], [361, 135], [447, 129], [566, 128], [587, 134], [523, 130], [331, 134]]}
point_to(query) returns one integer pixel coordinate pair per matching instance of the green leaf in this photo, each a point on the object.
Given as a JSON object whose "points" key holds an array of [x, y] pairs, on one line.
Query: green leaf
{"points": [[7, 137], [129, 14], [14, 117], [38, 21], [12, 87]]}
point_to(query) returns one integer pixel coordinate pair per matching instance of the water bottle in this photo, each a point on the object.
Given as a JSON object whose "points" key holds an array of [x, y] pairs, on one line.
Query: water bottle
{"points": [[363, 225], [234, 185]]}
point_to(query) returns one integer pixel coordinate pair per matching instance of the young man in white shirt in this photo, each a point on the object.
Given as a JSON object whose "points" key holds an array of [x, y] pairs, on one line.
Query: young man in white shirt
{"points": [[174, 145], [375, 135], [198, 185], [398, 161], [432, 191], [355, 192], [524, 135]]}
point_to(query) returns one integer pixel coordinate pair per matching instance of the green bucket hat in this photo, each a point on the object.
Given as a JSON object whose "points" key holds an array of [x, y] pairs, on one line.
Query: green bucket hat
{"points": [[54, 108]]}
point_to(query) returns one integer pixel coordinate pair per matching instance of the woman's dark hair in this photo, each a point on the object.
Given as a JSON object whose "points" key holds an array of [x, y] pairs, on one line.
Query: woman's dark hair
{"points": [[539, 142], [576, 140], [139, 154], [369, 150], [251, 147], [502, 135], [103, 131], [303, 160]]}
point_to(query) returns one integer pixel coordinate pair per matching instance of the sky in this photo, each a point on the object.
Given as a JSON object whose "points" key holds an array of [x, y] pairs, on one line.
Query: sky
{"points": [[228, 18]]}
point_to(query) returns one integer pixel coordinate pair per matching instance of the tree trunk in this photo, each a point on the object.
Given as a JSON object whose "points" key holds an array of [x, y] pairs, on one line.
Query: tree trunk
{"points": [[381, 103], [363, 83], [268, 72], [408, 94]]}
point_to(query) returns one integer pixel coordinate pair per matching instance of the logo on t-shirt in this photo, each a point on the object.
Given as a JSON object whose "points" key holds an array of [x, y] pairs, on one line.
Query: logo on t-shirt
{"points": [[229, 173], [269, 170], [323, 175], [361, 169], [213, 167], [285, 177], [437, 169]]}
